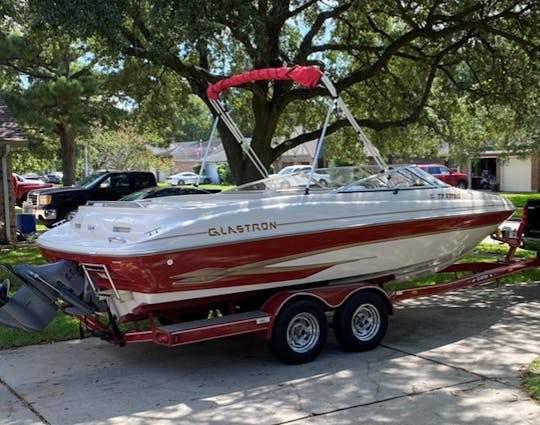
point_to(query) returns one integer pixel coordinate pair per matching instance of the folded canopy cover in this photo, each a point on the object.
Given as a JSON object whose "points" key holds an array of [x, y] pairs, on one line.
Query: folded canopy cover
{"points": [[307, 76]]}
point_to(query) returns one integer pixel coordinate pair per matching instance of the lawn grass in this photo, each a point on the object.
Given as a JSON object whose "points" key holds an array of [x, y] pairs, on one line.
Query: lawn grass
{"points": [[519, 200], [531, 379], [482, 253], [62, 328]]}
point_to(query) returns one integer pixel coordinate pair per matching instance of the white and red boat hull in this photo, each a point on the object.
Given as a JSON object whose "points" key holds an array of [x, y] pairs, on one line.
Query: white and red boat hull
{"points": [[245, 244]]}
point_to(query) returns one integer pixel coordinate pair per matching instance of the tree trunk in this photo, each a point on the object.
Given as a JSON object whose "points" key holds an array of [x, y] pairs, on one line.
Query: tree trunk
{"points": [[69, 153], [266, 113], [242, 168]]}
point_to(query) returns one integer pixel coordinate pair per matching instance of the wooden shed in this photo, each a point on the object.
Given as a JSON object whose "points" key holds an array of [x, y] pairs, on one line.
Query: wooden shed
{"points": [[11, 137]]}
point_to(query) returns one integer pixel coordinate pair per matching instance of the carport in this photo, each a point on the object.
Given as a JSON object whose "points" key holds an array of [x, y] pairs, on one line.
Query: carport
{"points": [[11, 136]]}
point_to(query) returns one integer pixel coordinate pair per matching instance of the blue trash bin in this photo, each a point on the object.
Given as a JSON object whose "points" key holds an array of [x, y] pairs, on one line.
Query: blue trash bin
{"points": [[26, 223]]}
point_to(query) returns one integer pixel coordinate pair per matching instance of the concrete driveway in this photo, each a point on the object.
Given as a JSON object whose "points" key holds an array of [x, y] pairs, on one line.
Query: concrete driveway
{"points": [[453, 359]]}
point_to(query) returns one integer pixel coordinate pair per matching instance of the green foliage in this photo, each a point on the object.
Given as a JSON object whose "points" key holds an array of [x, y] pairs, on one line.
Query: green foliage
{"points": [[531, 379], [482, 253], [225, 174], [519, 200], [12, 257], [121, 149], [417, 74], [62, 328], [158, 101], [39, 156], [55, 93], [56, 83]]}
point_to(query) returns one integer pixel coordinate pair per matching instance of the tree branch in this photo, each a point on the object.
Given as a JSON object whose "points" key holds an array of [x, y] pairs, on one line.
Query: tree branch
{"points": [[413, 117], [304, 49]]}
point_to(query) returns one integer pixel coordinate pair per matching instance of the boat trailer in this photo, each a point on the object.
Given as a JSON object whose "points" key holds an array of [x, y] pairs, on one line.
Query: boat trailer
{"points": [[293, 321]]}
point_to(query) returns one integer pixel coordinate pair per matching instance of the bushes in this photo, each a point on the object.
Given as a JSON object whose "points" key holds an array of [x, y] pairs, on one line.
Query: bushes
{"points": [[225, 174]]}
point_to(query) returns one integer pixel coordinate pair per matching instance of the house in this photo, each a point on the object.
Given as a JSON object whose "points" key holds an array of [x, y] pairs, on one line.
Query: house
{"points": [[11, 137], [513, 173], [300, 155], [187, 155], [510, 173]]}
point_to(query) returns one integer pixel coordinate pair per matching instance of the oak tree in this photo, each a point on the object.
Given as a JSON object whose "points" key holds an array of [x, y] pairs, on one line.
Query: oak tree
{"points": [[396, 61]]}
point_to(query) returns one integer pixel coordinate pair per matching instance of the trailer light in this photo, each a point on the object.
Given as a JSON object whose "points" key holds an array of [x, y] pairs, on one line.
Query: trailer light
{"points": [[162, 338]]}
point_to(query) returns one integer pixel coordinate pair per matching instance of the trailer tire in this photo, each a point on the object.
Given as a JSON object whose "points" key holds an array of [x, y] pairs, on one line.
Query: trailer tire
{"points": [[361, 322], [299, 332]]}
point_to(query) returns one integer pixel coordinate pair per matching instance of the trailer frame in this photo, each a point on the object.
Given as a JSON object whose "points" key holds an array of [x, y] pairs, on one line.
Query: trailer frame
{"points": [[334, 301]]}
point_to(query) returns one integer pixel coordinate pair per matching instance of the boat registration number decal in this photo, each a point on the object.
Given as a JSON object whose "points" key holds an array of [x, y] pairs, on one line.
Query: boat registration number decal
{"points": [[242, 228], [445, 196]]}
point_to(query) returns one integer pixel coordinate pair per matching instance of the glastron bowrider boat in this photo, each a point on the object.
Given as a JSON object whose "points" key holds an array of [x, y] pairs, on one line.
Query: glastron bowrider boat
{"points": [[164, 255]]}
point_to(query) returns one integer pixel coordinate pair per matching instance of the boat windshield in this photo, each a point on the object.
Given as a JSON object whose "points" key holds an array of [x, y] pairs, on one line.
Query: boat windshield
{"points": [[286, 182], [344, 179], [404, 177]]}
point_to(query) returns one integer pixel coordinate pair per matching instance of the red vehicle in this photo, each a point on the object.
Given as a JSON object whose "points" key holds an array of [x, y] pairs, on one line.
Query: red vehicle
{"points": [[442, 172], [22, 186]]}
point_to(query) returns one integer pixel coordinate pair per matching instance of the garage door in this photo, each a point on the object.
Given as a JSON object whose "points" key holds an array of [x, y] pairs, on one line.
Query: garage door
{"points": [[516, 175]]}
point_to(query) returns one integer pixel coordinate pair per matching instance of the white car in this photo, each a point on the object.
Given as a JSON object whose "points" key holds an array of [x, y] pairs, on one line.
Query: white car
{"points": [[187, 177], [321, 178], [29, 180]]}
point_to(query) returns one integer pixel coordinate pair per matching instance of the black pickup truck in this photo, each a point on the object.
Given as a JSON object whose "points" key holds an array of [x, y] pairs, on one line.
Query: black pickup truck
{"points": [[50, 206]]}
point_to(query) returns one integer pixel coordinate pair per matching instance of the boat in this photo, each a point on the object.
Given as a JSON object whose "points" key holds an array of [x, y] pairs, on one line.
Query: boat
{"points": [[170, 258]]}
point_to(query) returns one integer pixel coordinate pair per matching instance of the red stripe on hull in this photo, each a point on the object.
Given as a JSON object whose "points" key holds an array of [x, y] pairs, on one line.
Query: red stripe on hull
{"points": [[152, 274]]}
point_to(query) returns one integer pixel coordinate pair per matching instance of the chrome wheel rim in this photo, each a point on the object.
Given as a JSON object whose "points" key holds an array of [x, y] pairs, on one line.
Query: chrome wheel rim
{"points": [[366, 322], [303, 332]]}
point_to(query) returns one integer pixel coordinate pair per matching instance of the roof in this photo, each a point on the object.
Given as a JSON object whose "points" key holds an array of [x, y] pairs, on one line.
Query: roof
{"points": [[194, 151], [9, 129]]}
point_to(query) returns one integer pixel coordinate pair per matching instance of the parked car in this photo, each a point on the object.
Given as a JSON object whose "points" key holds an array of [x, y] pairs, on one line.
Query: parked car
{"points": [[442, 172], [23, 186], [158, 192], [321, 178], [50, 206], [187, 177], [34, 177], [53, 178]]}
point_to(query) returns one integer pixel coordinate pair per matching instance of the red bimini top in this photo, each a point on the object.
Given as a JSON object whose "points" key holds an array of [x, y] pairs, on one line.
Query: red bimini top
{"points": [[307, 76]]}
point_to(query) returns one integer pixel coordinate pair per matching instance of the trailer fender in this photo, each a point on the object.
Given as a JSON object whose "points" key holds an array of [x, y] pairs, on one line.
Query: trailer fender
{"points": [[331, 297]]}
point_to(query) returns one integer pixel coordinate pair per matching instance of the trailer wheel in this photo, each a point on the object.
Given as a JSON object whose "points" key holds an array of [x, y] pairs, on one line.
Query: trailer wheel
{"points": [[299, 332], [361, 322]]}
